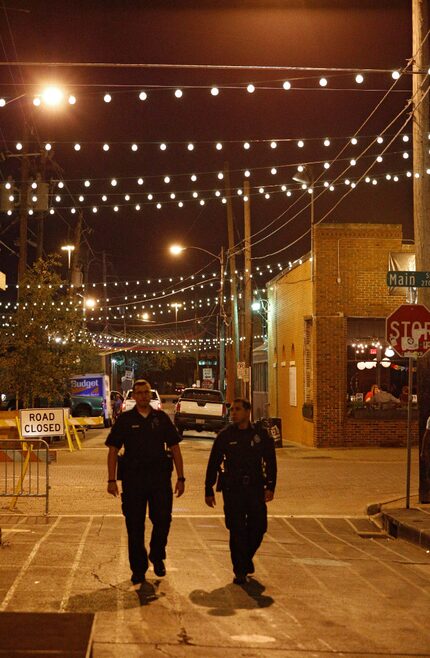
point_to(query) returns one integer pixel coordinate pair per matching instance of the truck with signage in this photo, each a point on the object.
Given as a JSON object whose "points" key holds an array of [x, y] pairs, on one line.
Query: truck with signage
{"points": [[90, 396]]}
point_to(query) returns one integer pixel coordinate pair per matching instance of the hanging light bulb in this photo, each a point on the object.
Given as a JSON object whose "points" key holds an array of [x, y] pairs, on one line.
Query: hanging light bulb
{"points": [[359, 78], [286, 85], [143, 96], [246, 146], [214, 91], [178, 93], [107, 98], [105, 147], [250, 89], [300, 143], [326, 142], [163, 146], [323, 82], [190, 147]]}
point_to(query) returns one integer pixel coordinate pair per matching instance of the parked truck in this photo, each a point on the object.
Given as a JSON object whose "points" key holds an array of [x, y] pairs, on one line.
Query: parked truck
{"points": [[90, 396], [201, 409]]}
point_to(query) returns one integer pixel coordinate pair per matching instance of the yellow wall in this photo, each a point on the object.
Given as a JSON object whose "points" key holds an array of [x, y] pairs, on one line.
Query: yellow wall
{"points": [[289, 303]]}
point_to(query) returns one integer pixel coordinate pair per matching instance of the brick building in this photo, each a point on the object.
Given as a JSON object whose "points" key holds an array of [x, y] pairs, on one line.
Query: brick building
{"points": [[326, 345]]}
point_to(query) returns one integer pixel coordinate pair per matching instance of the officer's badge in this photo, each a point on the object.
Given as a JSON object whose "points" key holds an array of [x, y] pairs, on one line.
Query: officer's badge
{"points": [[257, 438]]}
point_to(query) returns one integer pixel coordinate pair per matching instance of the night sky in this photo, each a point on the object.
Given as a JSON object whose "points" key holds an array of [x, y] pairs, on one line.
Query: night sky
{"points": [[324, 34]]}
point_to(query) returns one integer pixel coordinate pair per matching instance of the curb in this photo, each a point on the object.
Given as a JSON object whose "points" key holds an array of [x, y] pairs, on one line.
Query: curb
{"points": [[413, 525]]}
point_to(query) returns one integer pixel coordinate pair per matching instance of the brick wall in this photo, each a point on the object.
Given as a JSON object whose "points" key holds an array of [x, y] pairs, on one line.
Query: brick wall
{"points": [[350, 267], [378, 432]]}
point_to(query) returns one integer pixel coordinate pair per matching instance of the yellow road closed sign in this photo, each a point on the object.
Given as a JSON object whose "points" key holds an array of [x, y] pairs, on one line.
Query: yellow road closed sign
{"points": [[41, 422]]}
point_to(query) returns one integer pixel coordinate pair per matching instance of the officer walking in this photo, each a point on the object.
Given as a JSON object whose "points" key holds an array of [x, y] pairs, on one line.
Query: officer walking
{"points": [[243, 457], [146, 471]]}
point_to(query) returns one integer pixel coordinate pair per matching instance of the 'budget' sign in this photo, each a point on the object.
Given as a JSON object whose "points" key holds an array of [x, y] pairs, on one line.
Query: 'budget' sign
{"points": [[41, 422]]}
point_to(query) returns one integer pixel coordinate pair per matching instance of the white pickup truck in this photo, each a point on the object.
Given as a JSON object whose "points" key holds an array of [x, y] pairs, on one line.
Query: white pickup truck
{"points": [[201, 409]]}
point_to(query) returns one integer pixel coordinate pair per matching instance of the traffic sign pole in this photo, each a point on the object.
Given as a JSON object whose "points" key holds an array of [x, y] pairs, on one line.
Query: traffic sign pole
{"points": [[408, 435]]}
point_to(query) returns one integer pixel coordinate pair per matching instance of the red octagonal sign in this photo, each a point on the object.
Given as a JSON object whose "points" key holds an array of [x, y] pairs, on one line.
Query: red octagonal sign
{"points": [[408, 330]]}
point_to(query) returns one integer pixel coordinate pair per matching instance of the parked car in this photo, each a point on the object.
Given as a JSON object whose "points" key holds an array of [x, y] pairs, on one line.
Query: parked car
{"points": [[129, 401], [201, 409]]}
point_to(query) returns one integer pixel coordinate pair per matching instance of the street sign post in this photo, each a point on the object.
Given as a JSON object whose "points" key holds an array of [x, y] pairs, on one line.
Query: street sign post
{"points": [[408, 332], [241, 365]]}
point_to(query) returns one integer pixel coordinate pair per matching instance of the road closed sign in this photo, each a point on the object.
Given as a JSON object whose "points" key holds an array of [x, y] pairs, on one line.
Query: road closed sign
{"points": [[408, 330], [36, 423]]}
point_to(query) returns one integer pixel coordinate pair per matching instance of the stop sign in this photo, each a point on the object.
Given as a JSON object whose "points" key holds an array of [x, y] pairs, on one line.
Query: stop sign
{"points": [[408, 330]]}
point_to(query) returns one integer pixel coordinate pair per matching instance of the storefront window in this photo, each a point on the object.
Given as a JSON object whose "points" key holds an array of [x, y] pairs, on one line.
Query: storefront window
{"points": [[371, 361]]}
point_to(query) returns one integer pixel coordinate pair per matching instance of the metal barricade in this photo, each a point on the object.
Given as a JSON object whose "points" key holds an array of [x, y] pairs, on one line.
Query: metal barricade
{"points": [[24, 470]]}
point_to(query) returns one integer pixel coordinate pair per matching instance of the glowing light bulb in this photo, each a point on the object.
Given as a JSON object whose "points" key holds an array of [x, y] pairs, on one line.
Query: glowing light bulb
{"points": [[300, 168], [193, 178], [323, 82], [250, 89], [18, 146], [273, 145], [95, 209], [214, 91], [77, 147], [247, 173], [2, 102], [190, 147], [48, 146], [354, 141], [173, 195], [71, 100], [150, 197], [140, 181], [195, 195], [137, 206], [395, 75], [218, 146], [300, 143], [379, 158], [163, 146], [202, 202], [61, 184], [115, 208], [104, 197], [127, 197], [326, 142], [405, 138], [143, 96], [159, 206], [114, 182], [353, 162], [105, 147], [36, 101], [178, 93], [81, 198], [107, 98], [167, 179], [220, 175], [286, 85], [405, 155], [73, 210], [87, 183], [180, 204], [359, 78], [134, 147], [273, 171], [380, 139], [246, 146], [326, 165]]}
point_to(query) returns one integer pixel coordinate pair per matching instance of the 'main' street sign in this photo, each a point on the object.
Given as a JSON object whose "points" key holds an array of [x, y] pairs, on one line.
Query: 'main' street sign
{"points": [[408, 279]]}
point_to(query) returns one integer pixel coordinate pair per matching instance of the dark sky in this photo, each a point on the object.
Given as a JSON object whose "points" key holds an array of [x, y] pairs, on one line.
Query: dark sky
{"points": [[310, 33]]}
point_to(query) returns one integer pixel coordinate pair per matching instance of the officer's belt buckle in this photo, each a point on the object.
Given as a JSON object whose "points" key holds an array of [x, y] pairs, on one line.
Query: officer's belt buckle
{"points": [[246, 479]]}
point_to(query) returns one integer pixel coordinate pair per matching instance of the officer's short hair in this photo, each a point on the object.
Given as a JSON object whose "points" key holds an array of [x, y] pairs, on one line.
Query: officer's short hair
{"points": [[141, 382], [244, 402]]}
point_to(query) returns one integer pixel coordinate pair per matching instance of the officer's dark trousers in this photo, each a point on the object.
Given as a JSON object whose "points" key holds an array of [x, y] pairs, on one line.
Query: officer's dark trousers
{"points": [[157, 495], [246, 519]]}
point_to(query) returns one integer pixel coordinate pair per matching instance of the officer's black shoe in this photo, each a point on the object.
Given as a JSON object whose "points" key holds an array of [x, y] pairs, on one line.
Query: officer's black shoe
{"points": [[250, 569], [239, 579], [159, 568], [137, 578]]}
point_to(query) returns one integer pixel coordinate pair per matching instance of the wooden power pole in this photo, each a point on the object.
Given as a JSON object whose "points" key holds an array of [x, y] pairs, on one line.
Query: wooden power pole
{"points": [[233, 356], [247, 302], [421, 189]]}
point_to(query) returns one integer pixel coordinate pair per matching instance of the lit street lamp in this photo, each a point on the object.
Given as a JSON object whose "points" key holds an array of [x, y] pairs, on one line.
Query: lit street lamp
{"points": [[176, 306], [176, 250], [69, 248]]}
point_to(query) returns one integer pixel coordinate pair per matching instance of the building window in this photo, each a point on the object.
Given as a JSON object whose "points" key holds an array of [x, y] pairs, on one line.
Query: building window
{"points": [[307, 366]]}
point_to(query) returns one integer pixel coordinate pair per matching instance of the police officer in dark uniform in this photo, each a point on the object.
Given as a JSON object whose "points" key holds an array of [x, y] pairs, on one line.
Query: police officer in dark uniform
{"points": [[150, 443], [244, 460]]}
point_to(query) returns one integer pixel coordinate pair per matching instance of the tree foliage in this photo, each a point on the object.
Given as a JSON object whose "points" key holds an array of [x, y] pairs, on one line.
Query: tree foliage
{"points": [[45, 341]]}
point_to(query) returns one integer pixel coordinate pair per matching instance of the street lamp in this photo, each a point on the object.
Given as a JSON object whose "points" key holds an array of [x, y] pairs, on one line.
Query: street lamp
{"points": [[176, 306], [176, 250], [69, 248], [306, 177]]}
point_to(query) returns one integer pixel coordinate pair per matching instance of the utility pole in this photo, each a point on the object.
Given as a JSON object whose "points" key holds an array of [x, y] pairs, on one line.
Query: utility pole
{"points": [[40, 216], [421, 189], [231, 371], [248, 283], [76, 273], [105, 297], [23, 206], [221, 320]]}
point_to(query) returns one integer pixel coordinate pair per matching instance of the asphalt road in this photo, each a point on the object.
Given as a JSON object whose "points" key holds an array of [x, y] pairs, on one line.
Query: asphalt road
{"points": [[326, 582]]}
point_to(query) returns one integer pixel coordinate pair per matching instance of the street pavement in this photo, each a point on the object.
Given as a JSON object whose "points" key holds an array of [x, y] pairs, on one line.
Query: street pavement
{"points": [[327, 581]]}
